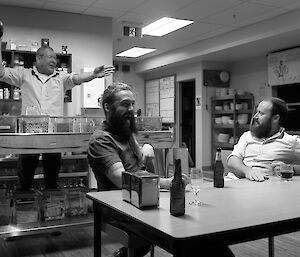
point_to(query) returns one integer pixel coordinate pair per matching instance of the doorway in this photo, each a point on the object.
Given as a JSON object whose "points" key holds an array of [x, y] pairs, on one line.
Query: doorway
{"points": [[187, 117]]}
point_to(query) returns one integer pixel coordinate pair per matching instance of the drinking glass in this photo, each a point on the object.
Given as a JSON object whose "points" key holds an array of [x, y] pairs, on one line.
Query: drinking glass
{"points": [[286, 172], [196, 176]]}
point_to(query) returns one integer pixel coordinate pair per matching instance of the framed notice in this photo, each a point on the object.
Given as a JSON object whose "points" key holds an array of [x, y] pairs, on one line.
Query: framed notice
{"points": [[284, 67], [160, 98]]}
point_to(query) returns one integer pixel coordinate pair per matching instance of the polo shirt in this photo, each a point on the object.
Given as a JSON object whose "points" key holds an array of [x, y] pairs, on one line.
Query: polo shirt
{"points": [[46, 93], [106, 149], [279, 147]]}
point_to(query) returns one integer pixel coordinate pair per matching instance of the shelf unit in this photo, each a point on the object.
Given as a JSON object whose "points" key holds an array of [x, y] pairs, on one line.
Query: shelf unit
{"points": [[13, 58], [238, 109]]}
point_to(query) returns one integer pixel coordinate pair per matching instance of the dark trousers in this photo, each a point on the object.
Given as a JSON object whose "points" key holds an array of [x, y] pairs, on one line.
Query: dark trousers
{"points": [[28, 163]]}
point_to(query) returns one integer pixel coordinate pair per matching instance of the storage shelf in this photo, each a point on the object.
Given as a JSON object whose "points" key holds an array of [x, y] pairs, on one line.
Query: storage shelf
{"points": [[9, 231], [223, 145], [229, 126], [232, 130], [230, 97]]}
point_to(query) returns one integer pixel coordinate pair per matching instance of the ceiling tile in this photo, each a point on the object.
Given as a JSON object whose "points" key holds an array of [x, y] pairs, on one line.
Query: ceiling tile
{"points": [[64, 7], [277, 3], [123, 5], [161, 8], [293, 6], [103, 12], [202, 8], [239, 13], [191, 31], [135, 18], [261, 17], [28, 3], [85, 3]]}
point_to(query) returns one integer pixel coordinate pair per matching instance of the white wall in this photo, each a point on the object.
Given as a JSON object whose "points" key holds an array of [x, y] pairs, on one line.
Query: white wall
{"points": [[89, 38], [251, 76], [136, 81]]}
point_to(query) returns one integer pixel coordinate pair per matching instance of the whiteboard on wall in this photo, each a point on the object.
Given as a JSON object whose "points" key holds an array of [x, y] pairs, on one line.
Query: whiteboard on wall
{"points": [[91, 91], [160, 98]]}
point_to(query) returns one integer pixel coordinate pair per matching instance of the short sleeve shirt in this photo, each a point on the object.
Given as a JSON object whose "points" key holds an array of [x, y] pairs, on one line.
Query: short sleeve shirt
{"points": [[44, 92], [106, 149], [280, 147]]}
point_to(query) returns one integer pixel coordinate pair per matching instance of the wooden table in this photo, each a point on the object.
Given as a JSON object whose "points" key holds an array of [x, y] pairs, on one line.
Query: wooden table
{"points": [[241, 211]]}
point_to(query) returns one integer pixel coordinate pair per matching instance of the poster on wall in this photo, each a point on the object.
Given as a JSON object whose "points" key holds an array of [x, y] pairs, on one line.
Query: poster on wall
{"points": [[284, 67]]}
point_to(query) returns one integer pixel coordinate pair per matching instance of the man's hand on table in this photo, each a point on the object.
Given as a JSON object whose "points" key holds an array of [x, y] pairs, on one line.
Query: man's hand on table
{"points": [[166, 182], [259, 172]]}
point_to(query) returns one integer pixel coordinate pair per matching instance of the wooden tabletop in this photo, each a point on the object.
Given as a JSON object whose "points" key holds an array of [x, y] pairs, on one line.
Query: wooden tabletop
{"points": [[241, 211]]}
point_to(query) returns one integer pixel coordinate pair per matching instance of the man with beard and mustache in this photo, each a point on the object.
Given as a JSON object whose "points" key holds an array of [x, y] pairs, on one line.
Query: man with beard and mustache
{"points": [[266, 145], [114, 149]]}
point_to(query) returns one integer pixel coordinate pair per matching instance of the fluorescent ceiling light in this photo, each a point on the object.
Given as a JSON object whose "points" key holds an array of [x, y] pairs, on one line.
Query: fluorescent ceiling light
{"points": [[136, 52], [164, 26]]}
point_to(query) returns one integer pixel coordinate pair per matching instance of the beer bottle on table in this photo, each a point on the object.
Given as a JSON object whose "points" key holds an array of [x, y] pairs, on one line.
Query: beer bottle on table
{"points": [[218, 170], [177, 192]]}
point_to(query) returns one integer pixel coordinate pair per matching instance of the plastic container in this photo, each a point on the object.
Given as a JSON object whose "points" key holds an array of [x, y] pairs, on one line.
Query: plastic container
{"points": [[91, 123], [52, 204], [145, 123], [76, 201], [8, 124], [25, 208], [34, 124], [62, 124]]}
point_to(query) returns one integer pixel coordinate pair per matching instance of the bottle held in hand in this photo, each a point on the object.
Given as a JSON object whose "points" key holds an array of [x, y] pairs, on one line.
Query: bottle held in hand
{"points": [[218, 170], [177, 192], [1, 29]]}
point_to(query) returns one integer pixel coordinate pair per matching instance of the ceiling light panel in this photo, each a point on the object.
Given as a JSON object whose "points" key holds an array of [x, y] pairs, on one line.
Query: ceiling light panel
{"points": [[164, 26], [135, 52]]}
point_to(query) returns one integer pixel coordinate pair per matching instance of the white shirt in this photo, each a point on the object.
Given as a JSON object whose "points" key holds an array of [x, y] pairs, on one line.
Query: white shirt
{"points": [[45, 93], [280, 147]]}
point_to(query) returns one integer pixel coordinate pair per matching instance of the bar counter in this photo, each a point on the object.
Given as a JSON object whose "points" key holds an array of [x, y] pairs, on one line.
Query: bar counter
{"points": [[16, 143]]}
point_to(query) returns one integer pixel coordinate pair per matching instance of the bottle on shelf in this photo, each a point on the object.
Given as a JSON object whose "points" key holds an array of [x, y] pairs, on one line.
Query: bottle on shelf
{"points": [[6, 93], [218, 170], [16, 93], [177, 192]]}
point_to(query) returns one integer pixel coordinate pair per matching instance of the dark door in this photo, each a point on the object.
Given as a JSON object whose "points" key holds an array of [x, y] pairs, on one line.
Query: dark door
{"points": [[187, 119]]}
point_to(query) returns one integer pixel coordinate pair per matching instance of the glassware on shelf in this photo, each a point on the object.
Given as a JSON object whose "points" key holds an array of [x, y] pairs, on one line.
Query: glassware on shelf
{"points": [[25, 207], [52, 204], [77, 203]]}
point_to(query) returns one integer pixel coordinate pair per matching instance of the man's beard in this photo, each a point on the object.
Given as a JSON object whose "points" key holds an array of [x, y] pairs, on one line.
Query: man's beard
{"points": [[123, 126], [261, 130]]}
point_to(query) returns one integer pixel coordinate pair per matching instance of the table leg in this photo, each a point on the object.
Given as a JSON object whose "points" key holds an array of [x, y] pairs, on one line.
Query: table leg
{"points": [[271, 246], [97, 232]]}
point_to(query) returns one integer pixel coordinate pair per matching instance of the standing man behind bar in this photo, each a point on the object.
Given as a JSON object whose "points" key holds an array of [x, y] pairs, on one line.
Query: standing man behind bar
{"points": [[114, 149], [43, 88]]}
